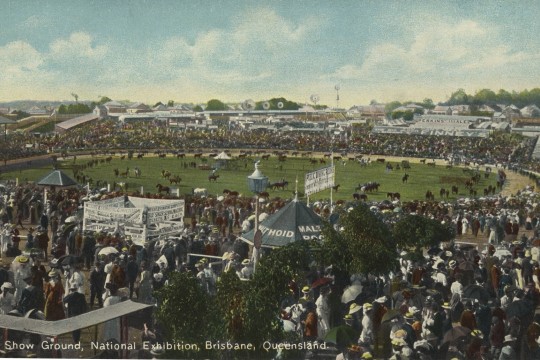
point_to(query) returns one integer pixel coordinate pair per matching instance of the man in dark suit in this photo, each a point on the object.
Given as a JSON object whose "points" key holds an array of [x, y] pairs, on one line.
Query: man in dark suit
{"points": [[75, 304]]}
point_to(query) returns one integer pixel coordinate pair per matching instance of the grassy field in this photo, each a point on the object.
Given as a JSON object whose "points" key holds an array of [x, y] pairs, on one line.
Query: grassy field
{"points": [[234, 176]]}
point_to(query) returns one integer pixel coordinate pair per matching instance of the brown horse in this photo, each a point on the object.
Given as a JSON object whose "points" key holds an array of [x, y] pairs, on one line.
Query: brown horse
{"points": [[162, 188], [212, 177]]}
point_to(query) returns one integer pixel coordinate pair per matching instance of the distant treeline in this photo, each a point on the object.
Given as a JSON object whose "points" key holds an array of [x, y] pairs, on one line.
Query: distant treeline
{"points": [[487, 97], [78, 108]]}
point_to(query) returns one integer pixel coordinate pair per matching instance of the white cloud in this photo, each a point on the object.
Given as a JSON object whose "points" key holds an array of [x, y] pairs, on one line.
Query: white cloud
{"points": [[19, 57], [78, 45], [459, 47]]}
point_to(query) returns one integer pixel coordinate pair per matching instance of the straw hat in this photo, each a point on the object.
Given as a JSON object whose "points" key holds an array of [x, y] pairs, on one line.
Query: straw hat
{"points": [[354, 308], [509, 338]]}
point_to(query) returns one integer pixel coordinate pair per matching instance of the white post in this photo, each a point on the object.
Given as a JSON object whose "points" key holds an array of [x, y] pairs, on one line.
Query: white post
{"points": [[256, 253], [142, 190]]}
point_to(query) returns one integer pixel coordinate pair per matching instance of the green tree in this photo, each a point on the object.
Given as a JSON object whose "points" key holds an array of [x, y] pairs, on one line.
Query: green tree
{"points": [[170, 103], [415, 232], [62, 109], [364, 246], [504, 97], [215, 105], [459, 97], [485, 96], [391, 106], [197, 108], [428, 103], [268, 288], [186, 314]]}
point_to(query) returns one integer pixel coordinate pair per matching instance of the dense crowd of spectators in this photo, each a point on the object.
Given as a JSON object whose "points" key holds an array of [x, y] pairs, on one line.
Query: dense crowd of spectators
{"points": [[500, 147]]}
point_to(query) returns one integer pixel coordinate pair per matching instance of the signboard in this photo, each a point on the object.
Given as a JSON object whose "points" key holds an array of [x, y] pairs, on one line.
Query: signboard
{"points": [[138, 218], [319, 180]]}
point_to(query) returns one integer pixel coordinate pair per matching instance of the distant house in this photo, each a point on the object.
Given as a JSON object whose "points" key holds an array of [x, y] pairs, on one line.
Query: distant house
{"points": [[492, 108], [160, 107], [137, 108], [441, 110], [35, 110], [461, 109], [368, 111], [511, 112], [4, 110], [530, 111], [114, 107], [100, 111]]}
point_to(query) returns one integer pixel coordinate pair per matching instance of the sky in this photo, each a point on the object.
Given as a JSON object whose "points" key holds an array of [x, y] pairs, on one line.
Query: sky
{"points": [[193, 51]]}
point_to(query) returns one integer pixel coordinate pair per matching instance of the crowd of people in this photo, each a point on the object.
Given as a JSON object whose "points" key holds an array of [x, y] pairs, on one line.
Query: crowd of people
{"points": [[459, 301], [109, 135]]}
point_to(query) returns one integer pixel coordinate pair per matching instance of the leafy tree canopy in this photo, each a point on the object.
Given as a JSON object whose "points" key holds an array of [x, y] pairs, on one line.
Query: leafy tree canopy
{"points": [[417, 232], [215, 105], [77, 108], [287, 104], [366, 244]]}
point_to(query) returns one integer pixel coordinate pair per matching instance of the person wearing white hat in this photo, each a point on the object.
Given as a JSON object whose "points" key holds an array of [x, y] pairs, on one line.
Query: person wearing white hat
{"points": [[247, 270], [7, 299], [366, 336], [508, 352]]}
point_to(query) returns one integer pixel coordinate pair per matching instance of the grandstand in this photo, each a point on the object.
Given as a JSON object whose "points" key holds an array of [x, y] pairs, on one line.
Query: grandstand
{"points": [[448, 122], [466, 132], [72, 123]]}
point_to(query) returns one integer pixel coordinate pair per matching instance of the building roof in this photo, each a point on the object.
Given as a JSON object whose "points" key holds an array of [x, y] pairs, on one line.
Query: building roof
{"points": [[71, 123], [59, 327], [56, 178]]}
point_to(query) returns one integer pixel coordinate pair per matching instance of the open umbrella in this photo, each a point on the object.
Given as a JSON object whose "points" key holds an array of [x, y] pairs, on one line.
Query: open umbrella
{"points": [[351, 292], [390, 314], [71, 219], [474, 291], [342, 335], [519, 309], [68, 260], [500, 253], [321, 281], [108, 250], [454, 334]]}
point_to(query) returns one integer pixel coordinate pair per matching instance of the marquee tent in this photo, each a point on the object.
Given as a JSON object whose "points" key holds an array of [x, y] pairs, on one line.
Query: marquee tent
{"points": [[221, 160], [56, 178], [294, 222]]}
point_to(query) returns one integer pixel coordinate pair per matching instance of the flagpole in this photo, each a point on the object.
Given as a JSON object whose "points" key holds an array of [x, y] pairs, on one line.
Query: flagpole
{"points": [[332, 187]]}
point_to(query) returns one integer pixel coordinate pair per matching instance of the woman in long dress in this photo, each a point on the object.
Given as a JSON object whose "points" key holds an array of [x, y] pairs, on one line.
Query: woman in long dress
{"points": [[323, 312], [145, 285], [111, 328]]}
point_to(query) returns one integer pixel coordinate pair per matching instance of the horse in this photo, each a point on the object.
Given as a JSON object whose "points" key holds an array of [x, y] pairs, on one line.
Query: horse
{"points": [[336, 187], [429, 195], [405, 178], [455, 189], [393, 196], [137, 172], [213, 177], [279, 185], [175, 179], [442, 192], [357, 196], [125, 173], [162, 188]]}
